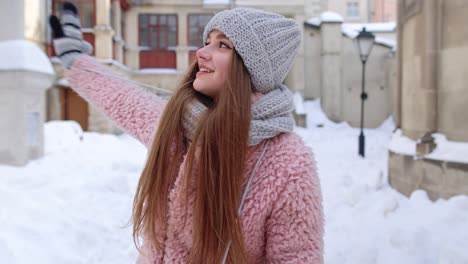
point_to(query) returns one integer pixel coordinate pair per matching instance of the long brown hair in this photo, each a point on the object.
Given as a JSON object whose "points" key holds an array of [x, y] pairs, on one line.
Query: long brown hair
{"points": [[221, 137]]}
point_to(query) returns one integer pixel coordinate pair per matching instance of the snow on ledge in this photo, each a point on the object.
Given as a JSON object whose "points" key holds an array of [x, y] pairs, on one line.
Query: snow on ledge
{"points": [[445, 150], [63, 82], [325, 17], [23, 55], [379, 27], [216, 2], [353, 31], [331, 17], [314, 21]]}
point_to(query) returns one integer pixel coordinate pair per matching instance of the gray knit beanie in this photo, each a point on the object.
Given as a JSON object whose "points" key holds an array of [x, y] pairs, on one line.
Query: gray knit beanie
{"points": [[267, 43]]}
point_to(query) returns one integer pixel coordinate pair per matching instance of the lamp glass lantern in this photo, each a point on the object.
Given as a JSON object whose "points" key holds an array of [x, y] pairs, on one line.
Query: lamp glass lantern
{"points": [[364, 42]]}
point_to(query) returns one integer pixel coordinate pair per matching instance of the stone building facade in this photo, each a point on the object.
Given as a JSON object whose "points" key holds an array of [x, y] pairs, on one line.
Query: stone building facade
{"points": [[431, 98]]}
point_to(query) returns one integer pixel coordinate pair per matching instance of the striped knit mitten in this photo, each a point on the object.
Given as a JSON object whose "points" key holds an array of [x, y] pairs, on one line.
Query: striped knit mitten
{"points": [[68, 39]]}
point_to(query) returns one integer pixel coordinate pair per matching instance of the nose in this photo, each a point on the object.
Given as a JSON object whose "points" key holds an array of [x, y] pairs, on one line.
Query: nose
{"points": [[203, 53]]}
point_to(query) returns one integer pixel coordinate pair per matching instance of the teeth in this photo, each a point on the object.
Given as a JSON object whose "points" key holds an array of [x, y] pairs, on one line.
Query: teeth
{"points": [[205, 70]]}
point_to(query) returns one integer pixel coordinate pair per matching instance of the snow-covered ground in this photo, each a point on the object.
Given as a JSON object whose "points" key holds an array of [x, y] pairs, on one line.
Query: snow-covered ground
{"points": [[74, 204]]}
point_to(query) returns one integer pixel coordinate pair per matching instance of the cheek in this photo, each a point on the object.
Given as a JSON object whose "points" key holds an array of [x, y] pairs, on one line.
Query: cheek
{"points": [[224, 67]]}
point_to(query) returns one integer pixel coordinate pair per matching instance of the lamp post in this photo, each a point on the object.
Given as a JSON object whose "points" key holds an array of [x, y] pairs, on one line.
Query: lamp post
{"points": [[363, 42]]}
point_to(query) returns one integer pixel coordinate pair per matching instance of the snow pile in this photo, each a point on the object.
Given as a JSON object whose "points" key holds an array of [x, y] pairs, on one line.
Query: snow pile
{"points": [[299, 103], [73, 205]]}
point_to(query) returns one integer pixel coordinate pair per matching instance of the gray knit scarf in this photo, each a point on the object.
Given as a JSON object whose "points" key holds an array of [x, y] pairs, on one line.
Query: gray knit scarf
{"points": [[271, 115]]}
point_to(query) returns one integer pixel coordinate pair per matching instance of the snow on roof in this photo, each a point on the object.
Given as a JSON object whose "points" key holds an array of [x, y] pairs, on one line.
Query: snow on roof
{"points": [[314, 21], [325, 17], [351, 30], [23, 55], [386, 42], [372, 27], [329, 16]]}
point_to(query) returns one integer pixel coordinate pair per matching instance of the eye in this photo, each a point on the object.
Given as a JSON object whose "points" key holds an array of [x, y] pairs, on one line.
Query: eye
{"points": [[224, 45], [207, 43]]}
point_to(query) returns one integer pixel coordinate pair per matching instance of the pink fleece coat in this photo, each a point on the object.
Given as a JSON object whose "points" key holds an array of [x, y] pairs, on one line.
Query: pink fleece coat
{"points": [[282, 216]]}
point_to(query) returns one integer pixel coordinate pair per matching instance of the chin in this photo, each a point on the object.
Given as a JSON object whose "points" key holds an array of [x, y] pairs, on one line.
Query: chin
{"points": [[199, 87]]}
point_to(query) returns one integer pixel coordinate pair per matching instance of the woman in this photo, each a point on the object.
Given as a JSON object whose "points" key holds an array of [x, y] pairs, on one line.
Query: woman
{"points": [[226, 180]]}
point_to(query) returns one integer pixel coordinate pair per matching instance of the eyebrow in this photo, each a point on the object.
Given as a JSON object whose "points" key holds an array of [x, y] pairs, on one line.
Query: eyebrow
{"points": [[221, 36]]}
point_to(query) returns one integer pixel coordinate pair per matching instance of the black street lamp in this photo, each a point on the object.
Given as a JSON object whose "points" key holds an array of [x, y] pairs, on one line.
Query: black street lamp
{"points": [[363, 42]]}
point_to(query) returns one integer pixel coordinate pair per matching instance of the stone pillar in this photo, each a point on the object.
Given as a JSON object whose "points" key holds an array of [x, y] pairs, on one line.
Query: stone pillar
{"points": [[331, 69], [452, 92], [418, 68], [118, 37], [182, 50], [103, 31], [132, 53], [25, 74]]}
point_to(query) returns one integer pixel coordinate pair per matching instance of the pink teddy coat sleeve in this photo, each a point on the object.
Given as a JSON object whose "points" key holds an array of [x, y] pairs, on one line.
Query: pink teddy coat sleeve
{"points": [[133, 109]]}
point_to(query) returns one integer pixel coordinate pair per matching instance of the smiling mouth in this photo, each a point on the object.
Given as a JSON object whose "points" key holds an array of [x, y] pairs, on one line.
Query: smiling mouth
{"points": [[205, 70]]}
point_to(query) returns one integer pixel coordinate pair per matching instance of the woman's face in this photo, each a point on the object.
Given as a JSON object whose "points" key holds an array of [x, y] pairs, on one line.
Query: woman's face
{"points": [[213, 62]]}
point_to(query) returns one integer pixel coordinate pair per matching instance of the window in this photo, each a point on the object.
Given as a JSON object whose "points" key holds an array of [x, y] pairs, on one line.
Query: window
{"points": [[85, 10], [158, 31], [352, 9], [196, 23], [158, 35]]}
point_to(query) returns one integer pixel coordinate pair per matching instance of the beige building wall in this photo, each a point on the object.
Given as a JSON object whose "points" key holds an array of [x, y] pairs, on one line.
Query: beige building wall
{"points": [[340, 7], [378, 105], [432, 94], [312, 65], [313, 8], [383, 10], [433, 74], [452, 85], [330, 62]]}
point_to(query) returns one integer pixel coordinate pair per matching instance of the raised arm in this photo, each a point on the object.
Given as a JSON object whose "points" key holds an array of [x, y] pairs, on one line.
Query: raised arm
{"points": [[133, 109], [294, 229]]}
